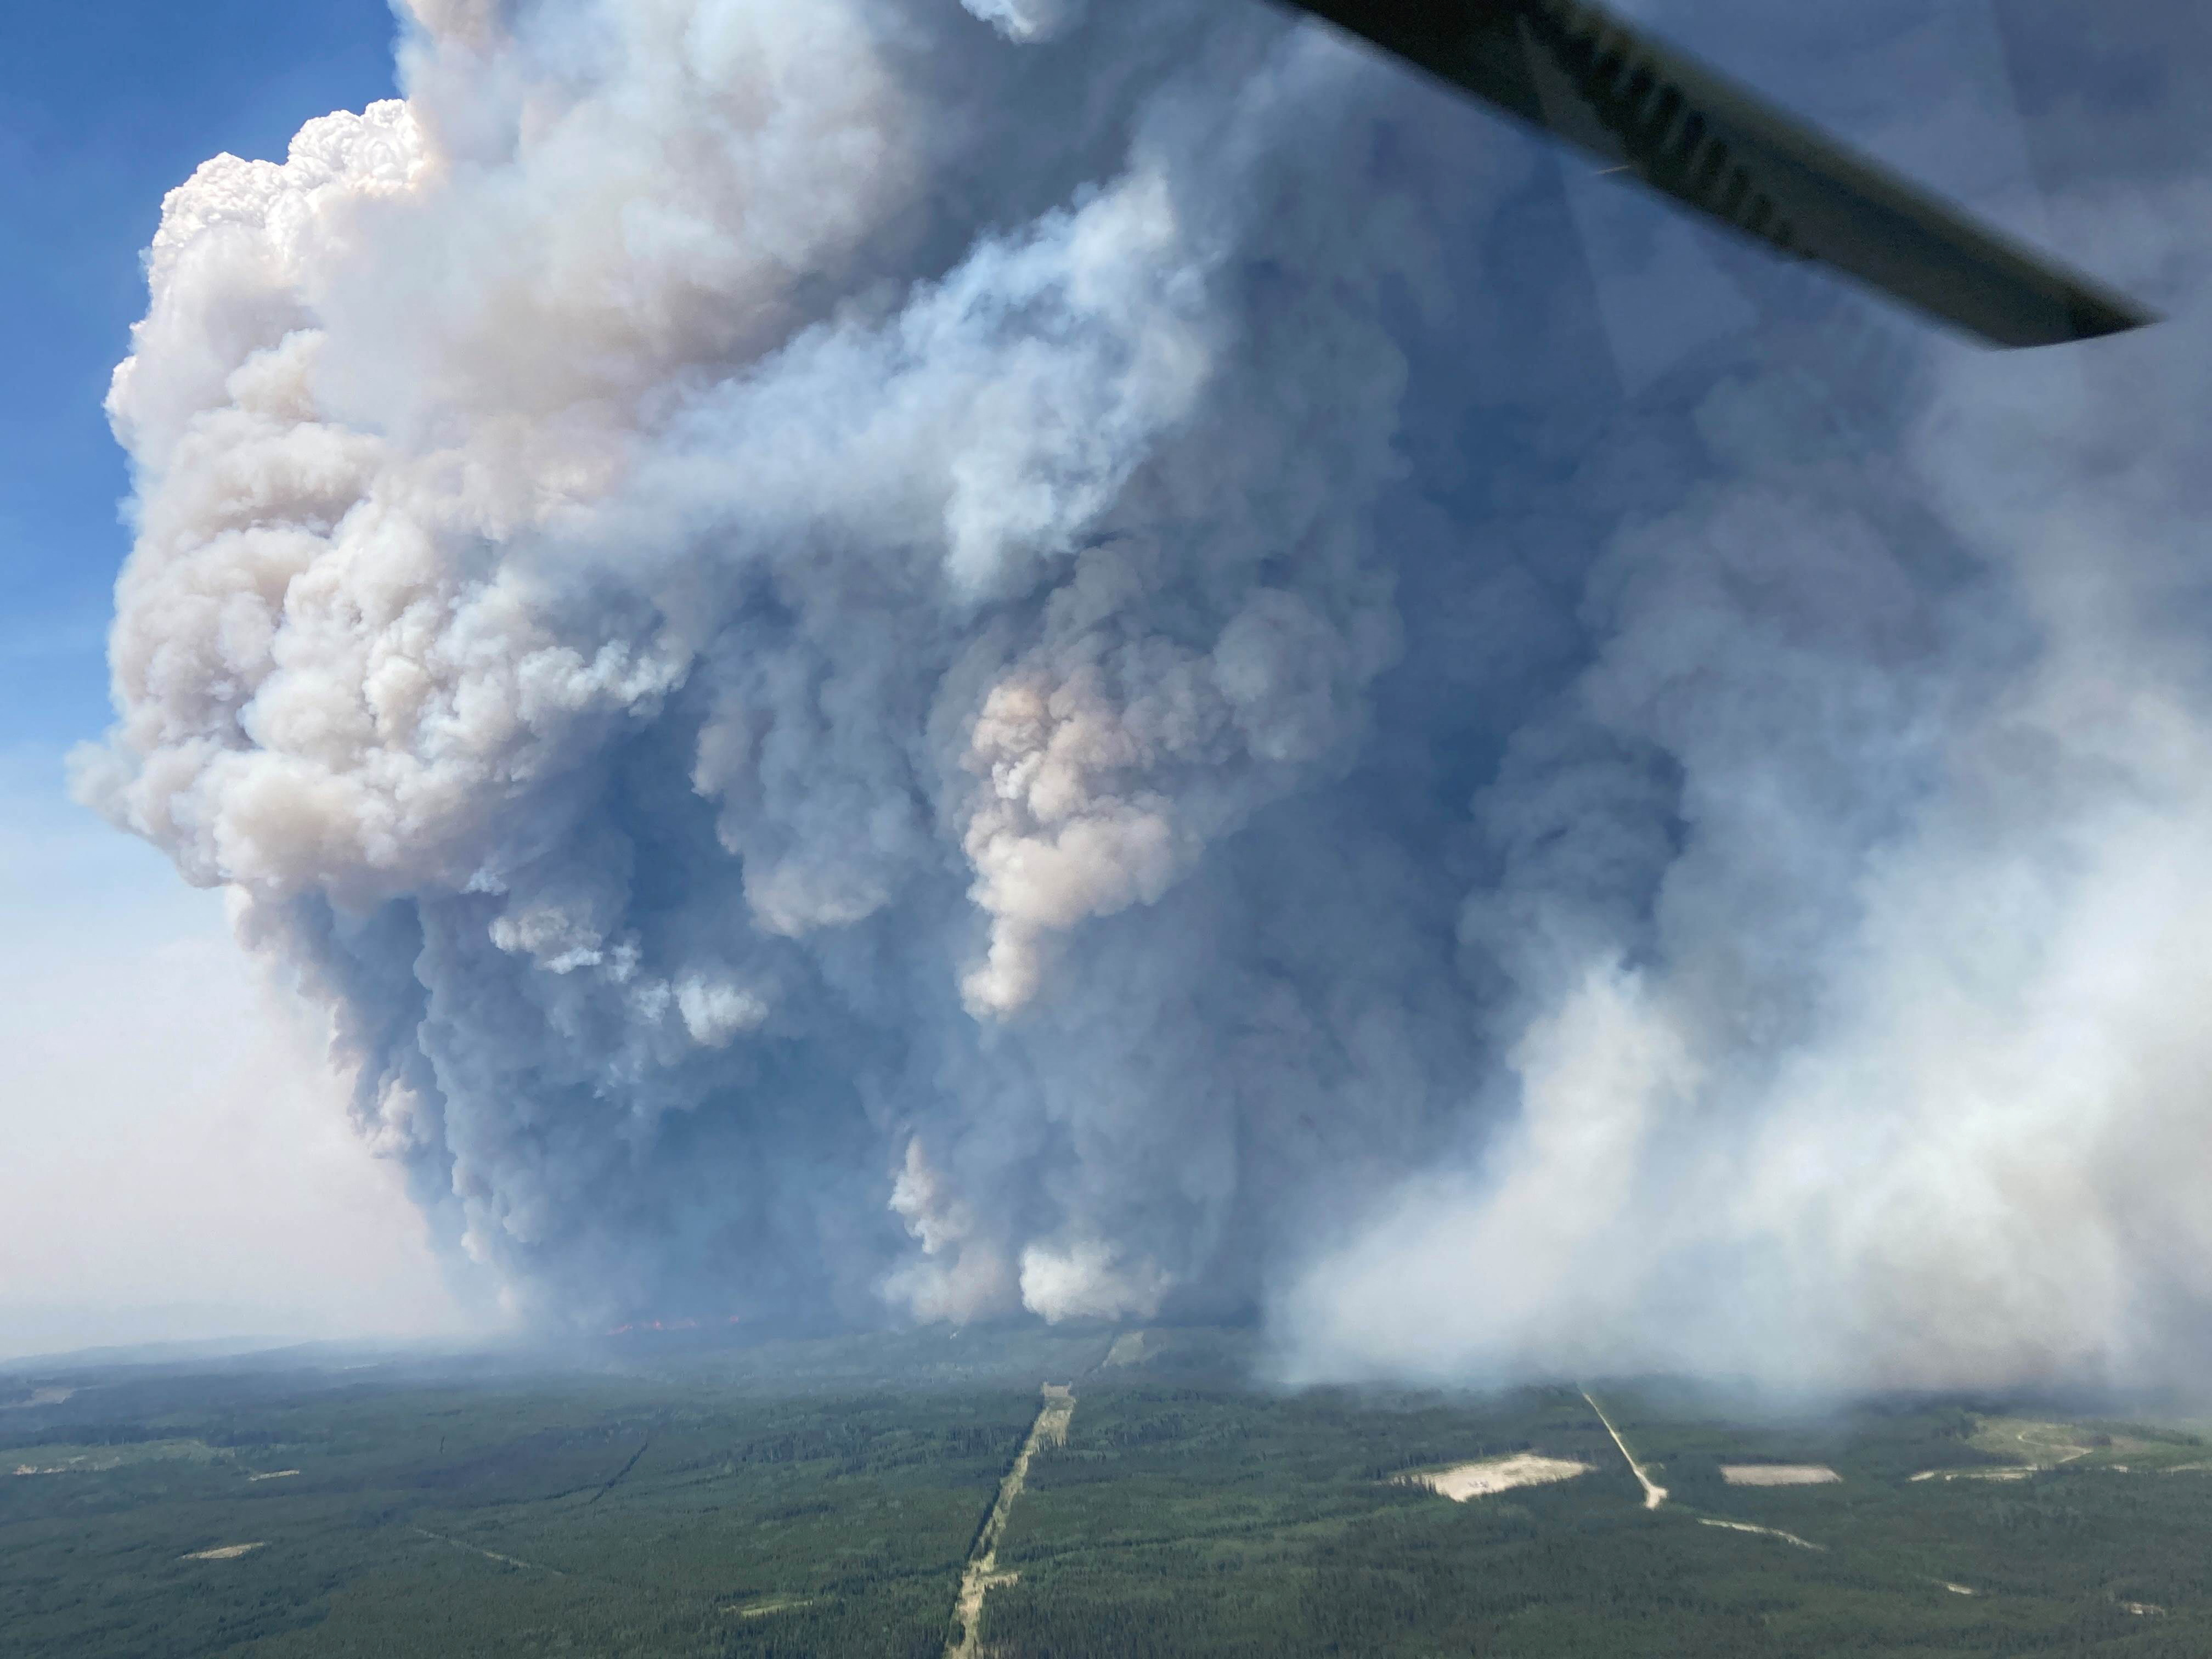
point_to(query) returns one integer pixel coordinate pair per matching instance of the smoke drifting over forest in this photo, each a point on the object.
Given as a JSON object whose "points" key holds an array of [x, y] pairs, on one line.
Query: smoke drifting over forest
{"points": [[892, 661]]}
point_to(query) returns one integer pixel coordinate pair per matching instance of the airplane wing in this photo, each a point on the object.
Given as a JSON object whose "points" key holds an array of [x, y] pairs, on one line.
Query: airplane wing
{"points": [[1576, 71]]}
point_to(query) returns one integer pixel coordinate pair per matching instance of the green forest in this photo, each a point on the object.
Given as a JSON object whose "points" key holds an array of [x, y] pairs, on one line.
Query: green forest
{"points": [[824, 1498]]}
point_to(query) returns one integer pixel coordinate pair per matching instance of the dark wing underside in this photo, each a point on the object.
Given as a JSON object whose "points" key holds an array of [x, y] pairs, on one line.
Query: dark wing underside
{"points": [[1576, 71]]}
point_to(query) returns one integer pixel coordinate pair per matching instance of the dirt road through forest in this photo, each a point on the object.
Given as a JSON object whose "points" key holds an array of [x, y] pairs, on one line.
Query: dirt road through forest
{"points": [[1051, 1424], [1653, 1494]]}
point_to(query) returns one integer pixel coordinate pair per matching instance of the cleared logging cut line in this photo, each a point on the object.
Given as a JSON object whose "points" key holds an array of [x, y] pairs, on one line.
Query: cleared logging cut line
{"points": [[1769, 1532], [1653, 1494], [768, 1608], [619, 1474], [983, 1574], [492, 1555]]}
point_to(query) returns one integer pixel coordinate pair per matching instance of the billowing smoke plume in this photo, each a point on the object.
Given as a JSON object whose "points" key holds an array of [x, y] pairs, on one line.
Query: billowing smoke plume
{"points": [[898, 658]]}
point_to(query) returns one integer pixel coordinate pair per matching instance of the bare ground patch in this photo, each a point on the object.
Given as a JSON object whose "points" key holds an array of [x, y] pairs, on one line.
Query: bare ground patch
{"points": [[98, 1460], [38, 1397], [1491, 1475], [2044, 1445], [1779, 1474], [2124, 1448]]}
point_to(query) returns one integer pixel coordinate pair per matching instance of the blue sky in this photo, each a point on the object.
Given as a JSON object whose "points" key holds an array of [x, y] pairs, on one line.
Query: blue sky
{"points": [[190, 1170], [103, 109]]}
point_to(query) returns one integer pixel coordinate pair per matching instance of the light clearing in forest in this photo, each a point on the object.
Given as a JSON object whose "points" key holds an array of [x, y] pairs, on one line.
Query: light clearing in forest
{"points": [[1779, 1474], [1495, 1475]]}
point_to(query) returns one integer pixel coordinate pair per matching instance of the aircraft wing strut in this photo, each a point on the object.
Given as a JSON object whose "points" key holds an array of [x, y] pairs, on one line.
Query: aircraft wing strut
{"points": [[1575, 70]]}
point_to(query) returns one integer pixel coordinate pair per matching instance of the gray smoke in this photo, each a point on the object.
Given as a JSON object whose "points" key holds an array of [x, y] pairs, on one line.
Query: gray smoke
{"points": [[896, 659]]}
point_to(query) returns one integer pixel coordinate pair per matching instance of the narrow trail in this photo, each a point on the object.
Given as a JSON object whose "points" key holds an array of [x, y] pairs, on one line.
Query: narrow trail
{"points": [[491, 1555], [1653, 1494], [619, 1475], [983, 1574], [2072, 1450], [1786, 1538]]}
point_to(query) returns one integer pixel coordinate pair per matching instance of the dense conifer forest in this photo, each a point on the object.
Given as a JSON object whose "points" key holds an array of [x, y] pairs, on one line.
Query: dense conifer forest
{"points": [[824, 1499]]}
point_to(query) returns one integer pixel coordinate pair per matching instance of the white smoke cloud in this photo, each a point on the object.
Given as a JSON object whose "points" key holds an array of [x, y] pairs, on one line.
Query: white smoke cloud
{"points": [[869, 670], [962, 1275], [468, 22], [1972, 1159], [1910, 1087], [1088, 1280], [1027, 19]]}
